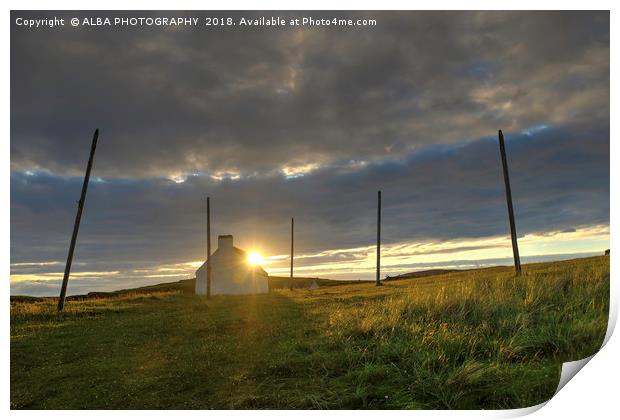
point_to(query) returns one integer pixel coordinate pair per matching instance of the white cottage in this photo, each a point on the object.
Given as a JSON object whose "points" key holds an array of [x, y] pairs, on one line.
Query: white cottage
{"points": [[231, 272]]}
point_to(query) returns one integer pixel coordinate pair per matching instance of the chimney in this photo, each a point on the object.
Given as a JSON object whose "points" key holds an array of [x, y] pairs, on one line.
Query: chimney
{"points": [[224, 242]]}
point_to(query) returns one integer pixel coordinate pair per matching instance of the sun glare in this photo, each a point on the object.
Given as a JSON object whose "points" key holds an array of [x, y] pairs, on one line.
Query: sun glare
{"points": [[255, 258]]}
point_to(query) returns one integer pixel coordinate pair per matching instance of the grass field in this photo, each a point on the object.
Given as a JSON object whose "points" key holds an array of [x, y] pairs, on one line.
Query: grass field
{"points": [[475, 339]]}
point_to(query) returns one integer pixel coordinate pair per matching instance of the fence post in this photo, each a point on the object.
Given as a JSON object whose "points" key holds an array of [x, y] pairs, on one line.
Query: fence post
{"points": [[76, 226], [292, 251], [208, 247], [378, 280], [511, 215]]}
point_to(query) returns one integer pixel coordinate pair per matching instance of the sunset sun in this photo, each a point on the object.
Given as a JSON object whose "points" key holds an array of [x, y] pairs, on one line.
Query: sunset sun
{"points": [[254, 258]]}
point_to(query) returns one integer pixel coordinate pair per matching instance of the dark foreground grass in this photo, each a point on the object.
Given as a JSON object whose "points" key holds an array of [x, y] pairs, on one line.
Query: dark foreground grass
{"points": [[476, 339]]}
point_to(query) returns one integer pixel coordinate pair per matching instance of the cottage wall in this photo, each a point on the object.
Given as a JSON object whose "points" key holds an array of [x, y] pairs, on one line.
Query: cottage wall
{"points": [[230, 273], [201, 280]]}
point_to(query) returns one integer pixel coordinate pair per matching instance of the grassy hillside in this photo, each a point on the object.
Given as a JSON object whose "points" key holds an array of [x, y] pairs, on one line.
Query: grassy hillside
{"points": [[474, 339], [423, 273], [276, 282], [183, 286]]}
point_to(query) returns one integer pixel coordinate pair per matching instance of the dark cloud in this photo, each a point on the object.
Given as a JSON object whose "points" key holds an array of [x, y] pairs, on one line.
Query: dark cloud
{"points": [[247, 100], [438, 193]]}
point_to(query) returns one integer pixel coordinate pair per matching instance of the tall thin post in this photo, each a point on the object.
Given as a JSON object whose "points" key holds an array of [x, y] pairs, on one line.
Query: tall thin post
{"points": [[378, 280], [511, 215], [292, 251], [76, 226], [208, 247]]}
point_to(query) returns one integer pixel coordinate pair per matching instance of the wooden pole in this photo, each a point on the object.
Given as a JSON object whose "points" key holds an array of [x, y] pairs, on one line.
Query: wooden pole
{"points": [[208, 247], [76, 226], [378, 280], [292, 251], [511, 215]]}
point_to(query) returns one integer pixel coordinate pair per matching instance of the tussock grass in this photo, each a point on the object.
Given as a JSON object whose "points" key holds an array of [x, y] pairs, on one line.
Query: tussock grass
{"points": [[475, 339]]}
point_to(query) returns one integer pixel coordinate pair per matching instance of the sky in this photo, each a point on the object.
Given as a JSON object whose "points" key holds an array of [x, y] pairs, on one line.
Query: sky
{"points": [[306, 122]]}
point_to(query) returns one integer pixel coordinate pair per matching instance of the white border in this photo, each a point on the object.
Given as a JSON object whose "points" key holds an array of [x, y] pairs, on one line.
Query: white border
{"points": [[309, 5]]}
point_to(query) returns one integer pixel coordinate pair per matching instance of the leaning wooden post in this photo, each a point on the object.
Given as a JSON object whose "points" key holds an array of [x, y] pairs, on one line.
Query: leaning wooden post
{"points": [[76, 226], [290, 285], [208, 247], [378, 280], [511, 215]]}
